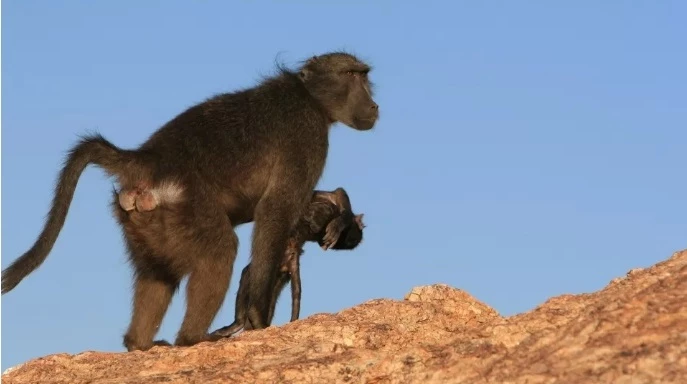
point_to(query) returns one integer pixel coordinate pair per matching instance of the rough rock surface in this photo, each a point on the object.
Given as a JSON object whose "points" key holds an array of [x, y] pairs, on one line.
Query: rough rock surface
{"points": [[632, 331]]}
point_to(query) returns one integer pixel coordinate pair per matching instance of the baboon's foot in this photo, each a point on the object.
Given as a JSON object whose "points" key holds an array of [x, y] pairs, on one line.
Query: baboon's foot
{"points": [[186, 341], [162, 343], [228, 330], [136, 345]]}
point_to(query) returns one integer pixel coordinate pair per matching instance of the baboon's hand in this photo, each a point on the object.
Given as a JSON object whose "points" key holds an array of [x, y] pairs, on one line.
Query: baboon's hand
{"points": [[332, 233]]}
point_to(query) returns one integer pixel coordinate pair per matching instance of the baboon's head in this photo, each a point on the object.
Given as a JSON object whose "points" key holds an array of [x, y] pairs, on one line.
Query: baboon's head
{"points": [[339, 82], [351, 236]]}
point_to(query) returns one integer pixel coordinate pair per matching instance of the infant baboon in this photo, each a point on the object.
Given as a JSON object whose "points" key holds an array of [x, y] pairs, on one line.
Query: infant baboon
{"points": [[251, 155], [330, 222]]}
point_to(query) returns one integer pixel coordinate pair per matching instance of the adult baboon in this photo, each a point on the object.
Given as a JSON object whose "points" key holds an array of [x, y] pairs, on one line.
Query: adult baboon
{"points": [[250, 155], [329, 221]]}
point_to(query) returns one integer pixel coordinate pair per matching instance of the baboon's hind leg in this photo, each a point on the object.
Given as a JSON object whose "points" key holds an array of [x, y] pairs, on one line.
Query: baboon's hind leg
{"points": [[282, 279], [275, 216], [152, 295], [214, 254]]}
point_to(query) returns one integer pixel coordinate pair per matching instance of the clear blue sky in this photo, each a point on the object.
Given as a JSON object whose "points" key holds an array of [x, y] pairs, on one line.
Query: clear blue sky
{"points": [[524, 151]]}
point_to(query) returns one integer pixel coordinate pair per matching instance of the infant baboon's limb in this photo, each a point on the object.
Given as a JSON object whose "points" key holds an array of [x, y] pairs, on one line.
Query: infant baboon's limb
{"points": [[344, 231], [339, 198], [295, 275]]}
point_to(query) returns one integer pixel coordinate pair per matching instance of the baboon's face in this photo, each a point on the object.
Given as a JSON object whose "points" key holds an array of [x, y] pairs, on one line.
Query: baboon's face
{"points": [[340, 82], [350, 238], [353, 237]]}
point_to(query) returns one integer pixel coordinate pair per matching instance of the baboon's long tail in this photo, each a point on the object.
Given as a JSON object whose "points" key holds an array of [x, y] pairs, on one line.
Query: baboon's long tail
{"points": [[93, 149]]}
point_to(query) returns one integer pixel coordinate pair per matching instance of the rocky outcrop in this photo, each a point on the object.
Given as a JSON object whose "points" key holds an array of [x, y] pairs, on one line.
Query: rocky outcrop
{"points": [[632, 331]]}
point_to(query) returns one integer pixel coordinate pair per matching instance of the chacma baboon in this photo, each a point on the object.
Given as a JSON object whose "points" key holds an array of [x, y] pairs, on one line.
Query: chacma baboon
{"points": [[250, 155], [330, 221]]}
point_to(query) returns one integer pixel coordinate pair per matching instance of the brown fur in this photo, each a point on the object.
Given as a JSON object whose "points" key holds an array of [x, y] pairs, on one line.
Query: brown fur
{"points": [[250, 155]]}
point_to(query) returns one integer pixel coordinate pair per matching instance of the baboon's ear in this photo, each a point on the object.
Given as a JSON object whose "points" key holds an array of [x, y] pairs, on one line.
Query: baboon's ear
{"points": [[307, 71], [359, 221], [305, 74]]}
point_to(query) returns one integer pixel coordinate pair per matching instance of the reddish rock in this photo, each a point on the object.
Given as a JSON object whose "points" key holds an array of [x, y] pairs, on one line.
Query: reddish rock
{"points": [[632, 331]]}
